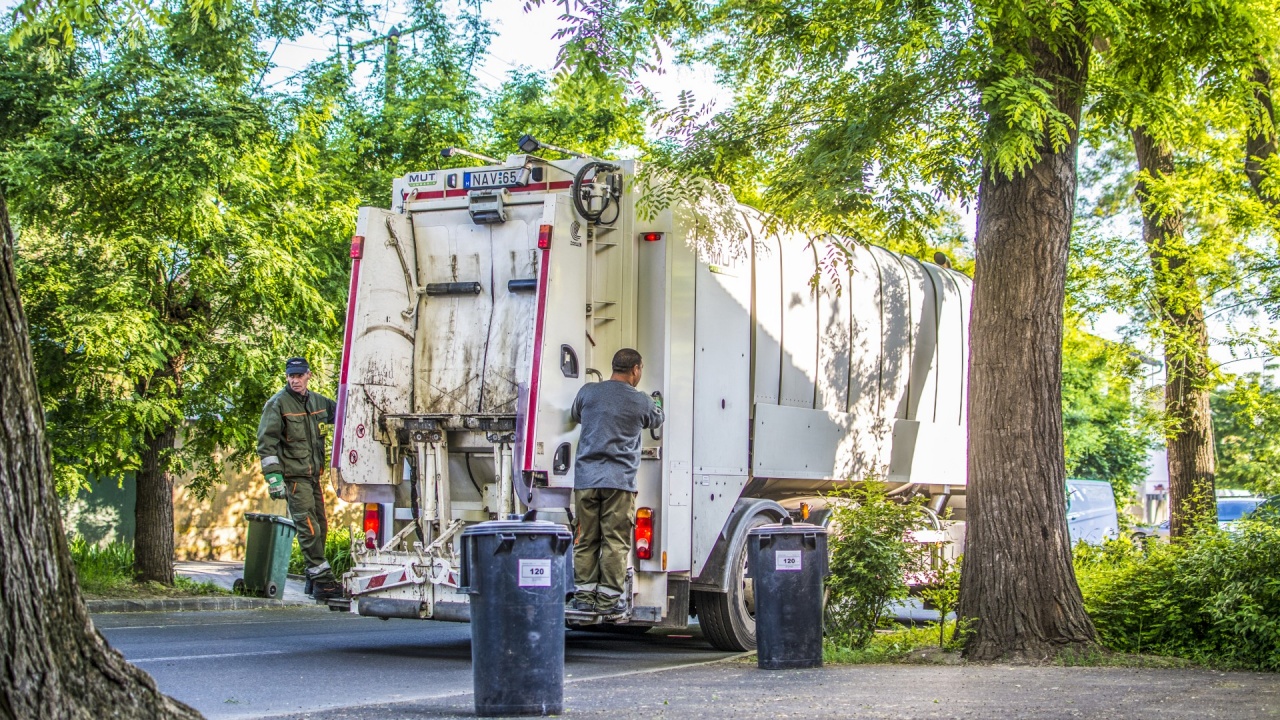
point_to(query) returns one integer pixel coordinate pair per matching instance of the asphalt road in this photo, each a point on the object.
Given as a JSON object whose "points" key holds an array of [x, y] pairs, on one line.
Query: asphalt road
{"points": [[294, 662]]}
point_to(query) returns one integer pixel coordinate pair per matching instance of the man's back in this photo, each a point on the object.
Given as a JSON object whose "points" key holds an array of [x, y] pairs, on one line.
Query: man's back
{"points": [[612, 414]]}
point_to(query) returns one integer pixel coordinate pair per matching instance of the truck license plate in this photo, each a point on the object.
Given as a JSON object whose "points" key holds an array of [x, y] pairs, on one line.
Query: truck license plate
{"points": [[506, 177]]}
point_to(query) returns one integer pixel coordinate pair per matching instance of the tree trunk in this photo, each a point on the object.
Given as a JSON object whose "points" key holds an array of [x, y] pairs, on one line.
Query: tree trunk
{"points": [[1261, 143], [54, 663], [153, 514], [1018, 594], [1189, 433]]}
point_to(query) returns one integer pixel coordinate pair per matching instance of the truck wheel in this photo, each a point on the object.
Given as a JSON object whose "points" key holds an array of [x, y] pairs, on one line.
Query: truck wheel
{"points": [[728, 619]]}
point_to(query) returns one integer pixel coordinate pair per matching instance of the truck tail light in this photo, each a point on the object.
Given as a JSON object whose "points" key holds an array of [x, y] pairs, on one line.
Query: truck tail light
{"points": [[644, 533], [544, 237], [651, 237], [372, 525]]}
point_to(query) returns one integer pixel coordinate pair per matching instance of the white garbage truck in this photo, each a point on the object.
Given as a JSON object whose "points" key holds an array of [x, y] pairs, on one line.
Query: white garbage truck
{"points": [[485, 297]]}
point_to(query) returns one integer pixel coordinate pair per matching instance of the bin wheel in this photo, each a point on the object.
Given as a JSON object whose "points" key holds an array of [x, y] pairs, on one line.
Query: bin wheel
{"points": [[237, 587], [272, 590], [728, 619]]}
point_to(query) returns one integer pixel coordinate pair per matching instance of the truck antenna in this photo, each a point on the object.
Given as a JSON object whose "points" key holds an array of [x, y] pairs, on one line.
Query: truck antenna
{"points": [[451, 151]]}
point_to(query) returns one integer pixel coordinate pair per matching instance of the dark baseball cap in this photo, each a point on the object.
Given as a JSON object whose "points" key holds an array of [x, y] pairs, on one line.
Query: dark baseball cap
{"points": [[296, 366]]}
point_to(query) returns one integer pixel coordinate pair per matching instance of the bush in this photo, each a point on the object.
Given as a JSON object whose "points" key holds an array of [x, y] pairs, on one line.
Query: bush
{"points": [[1213, 598], [337, 550], [942, 591], [870, 558]]}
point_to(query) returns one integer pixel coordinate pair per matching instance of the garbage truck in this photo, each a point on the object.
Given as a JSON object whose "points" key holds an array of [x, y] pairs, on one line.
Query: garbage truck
{"points": [[486, 296]]}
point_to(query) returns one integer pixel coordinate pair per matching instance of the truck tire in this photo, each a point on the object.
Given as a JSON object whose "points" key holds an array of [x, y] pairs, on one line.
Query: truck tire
{"points": [[728, 619]]}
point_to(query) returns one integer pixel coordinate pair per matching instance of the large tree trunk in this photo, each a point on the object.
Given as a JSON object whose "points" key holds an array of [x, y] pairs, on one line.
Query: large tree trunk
{"points": [[1186, 349], [1018, 592], [53, 663], [153, 514]]}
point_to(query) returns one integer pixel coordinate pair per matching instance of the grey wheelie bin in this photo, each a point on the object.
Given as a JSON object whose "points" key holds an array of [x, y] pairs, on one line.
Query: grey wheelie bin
{"points": [[266, 555], [515, 572], [788, 564]]}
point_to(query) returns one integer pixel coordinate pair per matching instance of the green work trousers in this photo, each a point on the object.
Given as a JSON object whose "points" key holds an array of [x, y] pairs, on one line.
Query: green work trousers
{"points": [[306, 508], [606, 521]]}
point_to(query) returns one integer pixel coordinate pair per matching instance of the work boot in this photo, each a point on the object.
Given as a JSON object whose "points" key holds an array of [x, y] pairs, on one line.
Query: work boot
{"points": [[584, 601], [611, 607], [325, 590]]}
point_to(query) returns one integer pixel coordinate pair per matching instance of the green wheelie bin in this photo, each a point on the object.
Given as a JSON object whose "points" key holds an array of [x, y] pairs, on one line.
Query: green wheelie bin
{"points": [[266, 555]]}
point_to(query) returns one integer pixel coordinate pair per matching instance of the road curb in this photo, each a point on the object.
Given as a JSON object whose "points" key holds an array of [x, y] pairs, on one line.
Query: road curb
{"points": [[191, 604]]}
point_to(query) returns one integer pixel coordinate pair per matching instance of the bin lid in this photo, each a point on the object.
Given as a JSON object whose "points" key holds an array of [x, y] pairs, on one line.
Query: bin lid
{"points": [[788, 527], [267, 517], [518, 527]]}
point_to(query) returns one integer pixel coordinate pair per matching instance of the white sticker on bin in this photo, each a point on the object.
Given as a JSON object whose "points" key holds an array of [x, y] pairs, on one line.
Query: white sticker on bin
{"points": [[535, 573], [787, 560]]}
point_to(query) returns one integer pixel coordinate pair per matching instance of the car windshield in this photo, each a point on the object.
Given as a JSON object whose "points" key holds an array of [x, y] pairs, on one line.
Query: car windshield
{"points": [[1235, 508]]}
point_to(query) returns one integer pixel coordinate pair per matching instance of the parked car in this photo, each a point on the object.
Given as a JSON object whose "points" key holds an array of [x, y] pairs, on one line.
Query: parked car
{"points": [[1231, 509], [1091, 511]]}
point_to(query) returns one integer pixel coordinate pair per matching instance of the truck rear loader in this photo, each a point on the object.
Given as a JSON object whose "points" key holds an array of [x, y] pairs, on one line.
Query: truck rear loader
{"points": [[486, 296]]}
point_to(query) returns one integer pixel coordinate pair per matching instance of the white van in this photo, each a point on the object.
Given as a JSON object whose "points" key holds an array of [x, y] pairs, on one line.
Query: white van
{"points": [[1091, 511]]}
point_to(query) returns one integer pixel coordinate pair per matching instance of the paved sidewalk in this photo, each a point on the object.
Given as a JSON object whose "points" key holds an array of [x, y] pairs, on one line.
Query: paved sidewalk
{"points": [[735, 688], [220, 573]]}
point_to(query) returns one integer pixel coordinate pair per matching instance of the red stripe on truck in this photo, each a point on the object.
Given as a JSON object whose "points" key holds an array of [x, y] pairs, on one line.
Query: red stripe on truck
{"points": [[347, 339], [531, 420]]}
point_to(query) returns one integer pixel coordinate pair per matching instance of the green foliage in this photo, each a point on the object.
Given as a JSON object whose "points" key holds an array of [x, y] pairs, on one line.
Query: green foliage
{"points": [[177, 238], [337, 550], [896, 645], [1106, 432], [871, 556], [1212, 597], [942, 591], [1246, 431], [582, 112], [101, 569], [107, 571]]}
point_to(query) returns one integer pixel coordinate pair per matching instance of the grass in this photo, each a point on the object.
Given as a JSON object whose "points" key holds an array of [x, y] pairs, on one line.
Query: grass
{"points": [[907, 645], [106, 571], [919, 646]]}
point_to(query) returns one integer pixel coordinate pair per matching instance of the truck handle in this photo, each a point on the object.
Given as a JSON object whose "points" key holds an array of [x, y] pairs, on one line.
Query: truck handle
{"points": [[656, 433]]}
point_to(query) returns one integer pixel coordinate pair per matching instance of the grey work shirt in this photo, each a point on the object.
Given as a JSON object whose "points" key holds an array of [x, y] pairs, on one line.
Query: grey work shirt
{"points": [[612, 414]]}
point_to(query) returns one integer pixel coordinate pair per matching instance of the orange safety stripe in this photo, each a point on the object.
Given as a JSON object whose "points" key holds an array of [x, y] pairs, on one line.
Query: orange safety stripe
{"points": [[310, 526]]}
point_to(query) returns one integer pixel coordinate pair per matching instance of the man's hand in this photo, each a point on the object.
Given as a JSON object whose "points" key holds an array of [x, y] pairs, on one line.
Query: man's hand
{"points": [[275, 485]]}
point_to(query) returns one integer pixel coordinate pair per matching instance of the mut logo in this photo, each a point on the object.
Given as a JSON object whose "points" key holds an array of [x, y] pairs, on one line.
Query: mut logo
{"points": [[575, 236]]}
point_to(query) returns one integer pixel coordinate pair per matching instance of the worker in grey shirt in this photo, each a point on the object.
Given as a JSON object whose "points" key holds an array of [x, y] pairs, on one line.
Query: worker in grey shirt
{"points": [[612, 414]]}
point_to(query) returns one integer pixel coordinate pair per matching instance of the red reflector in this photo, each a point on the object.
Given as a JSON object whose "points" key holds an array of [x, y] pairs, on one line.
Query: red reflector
{"points": [[372, 524], [544, 237], [357, 246], [644, 533], [651, 236]]}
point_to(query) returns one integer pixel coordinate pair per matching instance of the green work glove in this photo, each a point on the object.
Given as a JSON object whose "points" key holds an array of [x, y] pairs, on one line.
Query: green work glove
{"points": [[657, 399], [275, 485]]}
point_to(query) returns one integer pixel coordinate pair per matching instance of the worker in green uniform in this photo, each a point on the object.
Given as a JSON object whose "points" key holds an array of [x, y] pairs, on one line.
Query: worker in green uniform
{"points": [[292, 450]]}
